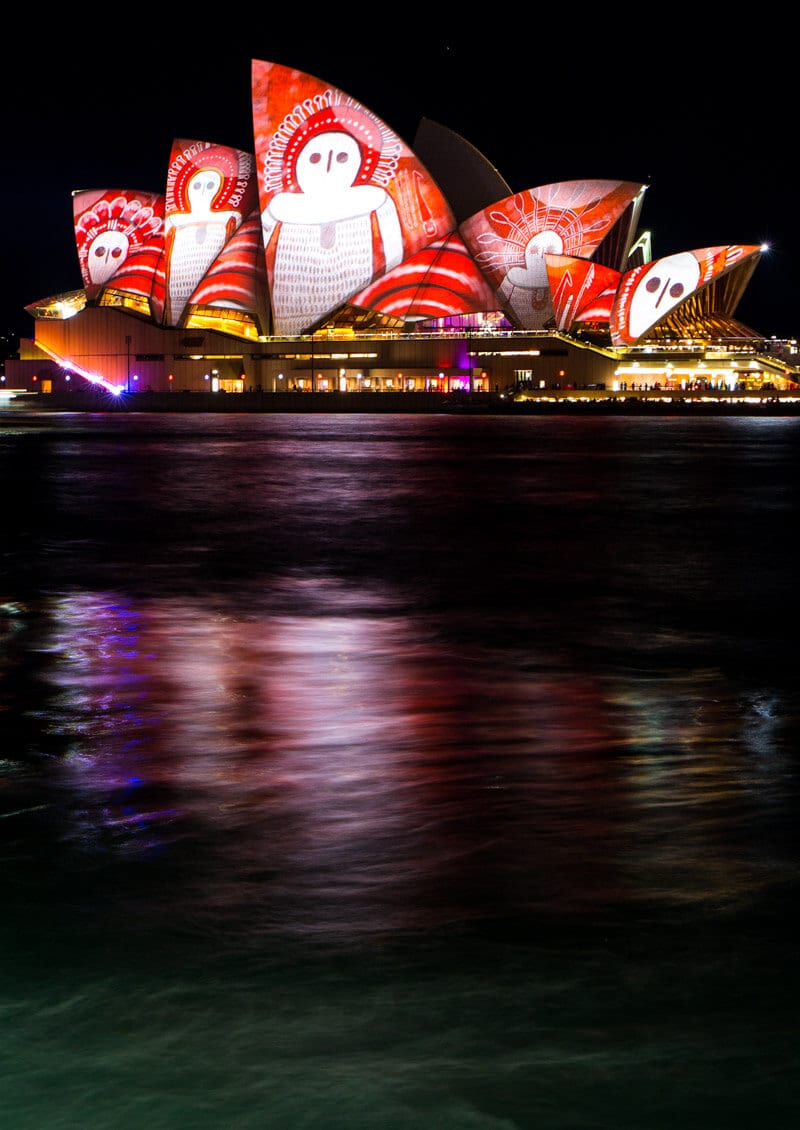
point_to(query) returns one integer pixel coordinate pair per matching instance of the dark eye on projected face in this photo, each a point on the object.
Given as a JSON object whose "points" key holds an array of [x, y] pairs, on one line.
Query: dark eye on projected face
{"points": [[341, 158], [670, 282]]}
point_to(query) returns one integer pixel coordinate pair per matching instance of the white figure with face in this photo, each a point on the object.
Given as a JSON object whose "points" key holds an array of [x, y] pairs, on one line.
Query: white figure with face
{"points": [[527, 288], [666, 283], [331, 231], [195, 238], [107, 252]]}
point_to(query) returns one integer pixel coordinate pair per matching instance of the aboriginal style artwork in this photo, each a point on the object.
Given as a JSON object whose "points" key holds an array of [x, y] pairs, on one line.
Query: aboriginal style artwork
{"points": [[509, 240], [438, 282], [343, 199], [110, 228], [648, 293], [210, 190], [235, 280], [582, 292], [334, 223]]}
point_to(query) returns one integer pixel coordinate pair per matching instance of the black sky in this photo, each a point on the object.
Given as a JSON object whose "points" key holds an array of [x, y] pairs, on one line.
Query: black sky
{"points": [[705, 119]]}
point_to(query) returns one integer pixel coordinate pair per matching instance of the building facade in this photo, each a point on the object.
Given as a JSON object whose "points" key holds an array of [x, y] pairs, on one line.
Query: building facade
{"points": [[336, 259]]}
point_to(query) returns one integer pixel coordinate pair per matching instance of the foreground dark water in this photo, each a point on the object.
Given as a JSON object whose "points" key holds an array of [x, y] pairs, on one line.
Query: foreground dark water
{"points": [[398, 772]]}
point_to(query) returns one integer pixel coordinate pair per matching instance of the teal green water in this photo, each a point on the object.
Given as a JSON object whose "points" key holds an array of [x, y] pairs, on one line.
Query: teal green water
{"points": [[436, 1031]]}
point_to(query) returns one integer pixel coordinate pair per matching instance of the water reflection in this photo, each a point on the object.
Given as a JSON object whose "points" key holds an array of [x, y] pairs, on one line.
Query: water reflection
{"points": [[350, 767]]}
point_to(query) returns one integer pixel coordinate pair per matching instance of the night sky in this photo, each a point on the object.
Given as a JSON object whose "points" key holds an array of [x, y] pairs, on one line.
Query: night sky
{"points": [[709, 127]]}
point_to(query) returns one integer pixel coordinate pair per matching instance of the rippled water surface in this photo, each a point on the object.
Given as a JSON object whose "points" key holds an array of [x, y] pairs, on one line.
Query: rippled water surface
{"points": [[398, 772]]}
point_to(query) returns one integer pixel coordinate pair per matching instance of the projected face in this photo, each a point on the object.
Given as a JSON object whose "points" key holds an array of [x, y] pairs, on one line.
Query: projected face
{"points": [[664, 285], [328, 162], [203, 187], [107, 253], [534, 273], [543, 243]]}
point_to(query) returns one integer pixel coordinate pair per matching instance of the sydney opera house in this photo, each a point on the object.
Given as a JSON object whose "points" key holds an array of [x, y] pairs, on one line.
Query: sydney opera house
{"points": [[334, 258]]}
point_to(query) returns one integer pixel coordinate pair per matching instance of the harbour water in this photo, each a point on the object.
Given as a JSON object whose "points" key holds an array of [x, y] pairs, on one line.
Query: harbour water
{"points": [[374, 772]]}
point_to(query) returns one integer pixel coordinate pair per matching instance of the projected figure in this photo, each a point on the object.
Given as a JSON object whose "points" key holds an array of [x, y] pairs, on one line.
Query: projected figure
{"points": [[527, 289], [110, 227], [331, 230], [510, 238], [195, 235], [106, 255], [666, 283]]}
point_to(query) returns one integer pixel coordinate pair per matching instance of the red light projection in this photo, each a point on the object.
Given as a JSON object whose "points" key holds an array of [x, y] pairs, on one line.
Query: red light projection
{"points": [[343, 200], [115, 229], [333, 215], [236, 279], [649, 292], [211, 189], [509, 239], [440, 281], [581, 291]]}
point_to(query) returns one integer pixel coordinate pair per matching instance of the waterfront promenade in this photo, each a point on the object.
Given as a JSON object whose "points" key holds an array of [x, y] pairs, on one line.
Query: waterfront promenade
{"points": [[593, 401]]}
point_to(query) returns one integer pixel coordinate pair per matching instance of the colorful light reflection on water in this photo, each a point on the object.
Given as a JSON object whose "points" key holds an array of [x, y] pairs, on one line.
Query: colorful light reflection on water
{"points": [[439, 773]]}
